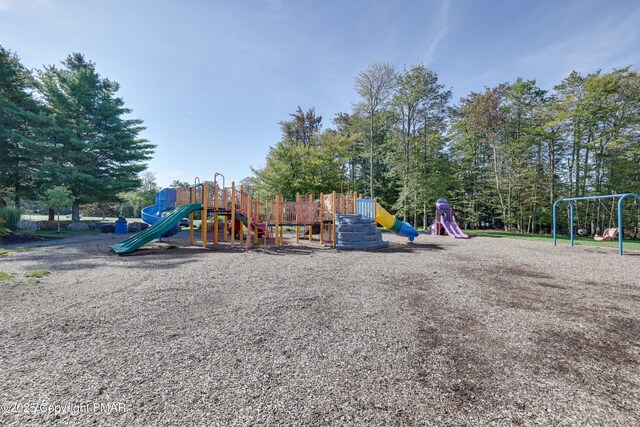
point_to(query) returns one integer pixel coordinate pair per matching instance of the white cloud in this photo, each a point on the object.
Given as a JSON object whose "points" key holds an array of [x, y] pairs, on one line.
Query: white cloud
{"points": [[442, 29], [610, 43]]}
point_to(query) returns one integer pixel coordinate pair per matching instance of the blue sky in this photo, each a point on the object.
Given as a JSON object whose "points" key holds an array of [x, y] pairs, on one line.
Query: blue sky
{"points": [[212, 79]]}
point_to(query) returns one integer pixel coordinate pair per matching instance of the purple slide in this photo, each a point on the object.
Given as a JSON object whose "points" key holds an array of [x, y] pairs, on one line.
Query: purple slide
{"points": [[445, 221], [453, 229]]}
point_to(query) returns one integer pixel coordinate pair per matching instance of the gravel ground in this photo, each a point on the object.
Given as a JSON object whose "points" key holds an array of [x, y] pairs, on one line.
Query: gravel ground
{"points": [[62, 241], [440, 332]]}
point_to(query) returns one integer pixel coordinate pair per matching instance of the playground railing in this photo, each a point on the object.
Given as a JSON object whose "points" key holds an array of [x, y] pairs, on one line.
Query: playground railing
{"points": [[326, 207], [301, 212], [182, 196]]}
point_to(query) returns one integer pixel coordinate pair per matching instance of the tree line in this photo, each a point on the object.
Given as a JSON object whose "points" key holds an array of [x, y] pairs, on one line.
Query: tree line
{"points": [[501, 156], [65, 126]]}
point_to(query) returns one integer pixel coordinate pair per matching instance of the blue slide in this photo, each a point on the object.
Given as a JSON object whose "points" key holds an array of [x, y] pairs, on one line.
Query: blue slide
{"points": [[165, 200]]}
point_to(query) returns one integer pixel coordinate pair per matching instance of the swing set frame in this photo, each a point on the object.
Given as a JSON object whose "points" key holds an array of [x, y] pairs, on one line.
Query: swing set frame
{"points": [[571, 209]]}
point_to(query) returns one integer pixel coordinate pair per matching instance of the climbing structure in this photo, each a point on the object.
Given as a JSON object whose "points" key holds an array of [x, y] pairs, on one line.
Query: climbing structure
{"points": [[239, 217], [230, 214], [355, 232]]}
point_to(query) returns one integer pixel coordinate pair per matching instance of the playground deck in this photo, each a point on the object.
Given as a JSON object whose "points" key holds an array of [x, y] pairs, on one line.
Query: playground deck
{"points": [[442, 331]]}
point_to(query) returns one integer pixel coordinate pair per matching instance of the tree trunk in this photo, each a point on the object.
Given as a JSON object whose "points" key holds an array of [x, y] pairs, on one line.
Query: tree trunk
{"points": [[424, 221], [552, 171], [371, 160], [52, 214], [75, 211], [58, 221], [495, 171], [3, 203]]}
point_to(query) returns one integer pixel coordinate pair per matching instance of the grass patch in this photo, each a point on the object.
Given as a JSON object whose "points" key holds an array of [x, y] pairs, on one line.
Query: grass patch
{"points": [[173, 246], [53, 234], [633, 244], [6, 252], [6, 276], [39, 274]]}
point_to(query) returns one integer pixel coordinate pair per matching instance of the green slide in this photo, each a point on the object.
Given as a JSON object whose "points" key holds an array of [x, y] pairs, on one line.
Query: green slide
{"points": [[163, 225]]}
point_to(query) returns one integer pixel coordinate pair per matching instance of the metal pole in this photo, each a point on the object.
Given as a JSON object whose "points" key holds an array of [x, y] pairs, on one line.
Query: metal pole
{"points": [[215, 178], [554, 223], [571, 215], [620, 223], [192, 195]]}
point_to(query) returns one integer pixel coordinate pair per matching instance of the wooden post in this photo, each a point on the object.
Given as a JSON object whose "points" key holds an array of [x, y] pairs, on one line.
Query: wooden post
{"points": [[277, 219], [321, 215], [249, 203], [233, 214], [297, 218], [266, 229], [311, 217], [333, 231], [281, 220], [205, 213], [224, 220], [215, 215], [192, 193], [243, 210], [257, 220], [355, 202]]}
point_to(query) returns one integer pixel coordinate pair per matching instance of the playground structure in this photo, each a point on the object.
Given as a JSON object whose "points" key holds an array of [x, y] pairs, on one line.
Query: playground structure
{"points": [[230, 214], [445, 222], [571, 201], [152, 214]]}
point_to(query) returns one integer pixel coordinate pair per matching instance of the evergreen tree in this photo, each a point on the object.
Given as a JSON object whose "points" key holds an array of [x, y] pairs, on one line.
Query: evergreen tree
{"points": [[91, 145], [19, 119]]}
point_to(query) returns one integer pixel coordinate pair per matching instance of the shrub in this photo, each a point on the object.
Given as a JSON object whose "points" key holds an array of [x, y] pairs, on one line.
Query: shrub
{"points": [[3, 231], [11, 216]]}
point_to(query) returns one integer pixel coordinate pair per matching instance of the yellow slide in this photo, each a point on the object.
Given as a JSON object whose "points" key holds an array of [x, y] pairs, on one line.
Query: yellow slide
{"points": [[390, 222]]}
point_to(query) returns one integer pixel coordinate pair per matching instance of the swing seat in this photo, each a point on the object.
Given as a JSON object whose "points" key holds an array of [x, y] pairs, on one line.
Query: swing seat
{"points": [[609, 235]]}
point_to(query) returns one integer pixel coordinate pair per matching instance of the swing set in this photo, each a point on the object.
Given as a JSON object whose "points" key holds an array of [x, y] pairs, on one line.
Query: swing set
{"points": [[571, 201]]}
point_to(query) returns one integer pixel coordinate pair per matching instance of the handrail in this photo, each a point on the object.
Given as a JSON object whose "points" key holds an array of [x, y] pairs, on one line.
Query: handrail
{"points": [[215, 178], [570, 200]]}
